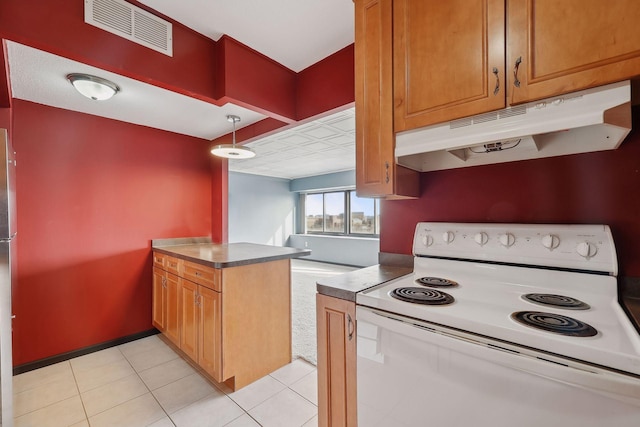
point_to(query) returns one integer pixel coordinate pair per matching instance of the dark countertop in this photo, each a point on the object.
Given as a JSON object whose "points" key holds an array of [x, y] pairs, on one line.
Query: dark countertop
{"points": [[630, 298], [230, 254], [345, 286]]}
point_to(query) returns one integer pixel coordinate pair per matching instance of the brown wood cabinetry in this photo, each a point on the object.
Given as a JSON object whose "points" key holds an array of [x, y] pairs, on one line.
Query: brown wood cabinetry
{"points": [[166, 302], [189, 319], [569, 45], [159, 306], [209, 334], [234, 322], [336, 361], [377, 174], [444, 60], [448, 60]]}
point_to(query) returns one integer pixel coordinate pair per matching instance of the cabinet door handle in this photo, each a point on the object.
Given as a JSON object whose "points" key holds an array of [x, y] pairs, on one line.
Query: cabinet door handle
{"points": [[497, 88], [164, 282], [196, 299], [516, 82], [350, 328], [386, 165]]}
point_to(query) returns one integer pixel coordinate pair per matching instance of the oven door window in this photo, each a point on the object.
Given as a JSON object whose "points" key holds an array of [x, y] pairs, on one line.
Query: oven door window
{"points": [[410, 375]]}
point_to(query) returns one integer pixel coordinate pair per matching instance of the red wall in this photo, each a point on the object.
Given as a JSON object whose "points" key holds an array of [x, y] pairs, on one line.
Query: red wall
{"points": [[600, 188], [91, 194], [326, 85]]}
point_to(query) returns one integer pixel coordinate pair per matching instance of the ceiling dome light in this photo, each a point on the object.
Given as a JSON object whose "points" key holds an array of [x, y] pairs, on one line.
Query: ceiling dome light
{"points": [[233, 151], [93, 87]]}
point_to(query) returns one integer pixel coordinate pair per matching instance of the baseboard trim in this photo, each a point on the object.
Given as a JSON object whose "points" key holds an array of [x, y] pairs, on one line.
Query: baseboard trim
{"points": [[81, 352]]}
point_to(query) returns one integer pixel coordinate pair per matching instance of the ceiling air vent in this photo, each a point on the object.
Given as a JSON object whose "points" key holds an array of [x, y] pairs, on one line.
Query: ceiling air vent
{"points": [[130, 22]]}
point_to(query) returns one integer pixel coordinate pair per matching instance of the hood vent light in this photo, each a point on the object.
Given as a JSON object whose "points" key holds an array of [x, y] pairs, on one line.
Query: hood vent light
{"points": [[590, 120]]}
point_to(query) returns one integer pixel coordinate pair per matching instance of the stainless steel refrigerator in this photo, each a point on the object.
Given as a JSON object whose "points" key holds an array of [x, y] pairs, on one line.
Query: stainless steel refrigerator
{"points": [[7, 271]]}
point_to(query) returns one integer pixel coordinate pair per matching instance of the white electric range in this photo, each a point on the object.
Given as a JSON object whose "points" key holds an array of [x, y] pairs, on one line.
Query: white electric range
{"points": [[513, 322]]}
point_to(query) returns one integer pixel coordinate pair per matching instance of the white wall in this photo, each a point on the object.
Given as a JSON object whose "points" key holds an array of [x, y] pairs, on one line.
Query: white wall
{"points": [[264, 210], [261, 209], [357, 251]]}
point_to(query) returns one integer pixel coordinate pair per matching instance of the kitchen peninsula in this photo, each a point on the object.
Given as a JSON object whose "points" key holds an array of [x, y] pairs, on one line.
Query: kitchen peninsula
{"points": [[226, 307]]}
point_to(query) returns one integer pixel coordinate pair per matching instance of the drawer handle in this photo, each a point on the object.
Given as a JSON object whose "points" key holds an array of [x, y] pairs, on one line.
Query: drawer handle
{"points": [[198, 273], [516, 82], [350, 326]]}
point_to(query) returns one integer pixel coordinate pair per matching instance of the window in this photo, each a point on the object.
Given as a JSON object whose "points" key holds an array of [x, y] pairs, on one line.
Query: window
{"points": [[341, 213]]}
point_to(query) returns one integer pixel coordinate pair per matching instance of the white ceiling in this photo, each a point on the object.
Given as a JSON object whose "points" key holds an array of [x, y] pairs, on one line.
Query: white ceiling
{"points": [[40, 77], [322, 146], [295, 33]]}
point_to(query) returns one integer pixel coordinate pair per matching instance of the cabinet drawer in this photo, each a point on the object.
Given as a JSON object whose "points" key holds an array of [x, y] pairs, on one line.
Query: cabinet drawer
{"points": [[205, 276], [173, 265], [159, 260]]}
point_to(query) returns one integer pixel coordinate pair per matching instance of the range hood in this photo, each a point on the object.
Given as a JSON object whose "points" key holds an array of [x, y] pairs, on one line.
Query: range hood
{"points": [[590, 120]]}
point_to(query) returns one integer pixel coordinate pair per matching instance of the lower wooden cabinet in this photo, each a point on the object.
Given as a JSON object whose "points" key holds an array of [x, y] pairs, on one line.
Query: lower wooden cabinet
{"points": [[234, 322], [189, 319], [172, 329], [201, 327], [166, 302], [159, 311], [336, 327], [210, 332]]}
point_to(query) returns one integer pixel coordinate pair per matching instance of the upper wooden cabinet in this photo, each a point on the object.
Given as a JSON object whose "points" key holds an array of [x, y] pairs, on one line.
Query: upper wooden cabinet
{"points": [[449, 60], [556, 47], [377, 174]]}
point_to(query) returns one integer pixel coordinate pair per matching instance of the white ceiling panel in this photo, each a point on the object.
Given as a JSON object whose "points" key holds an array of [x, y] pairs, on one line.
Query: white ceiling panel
{"points": [[314, 148]]}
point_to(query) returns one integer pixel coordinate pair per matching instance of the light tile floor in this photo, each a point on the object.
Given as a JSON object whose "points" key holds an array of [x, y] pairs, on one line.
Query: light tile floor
{"points": [[145, 383]]}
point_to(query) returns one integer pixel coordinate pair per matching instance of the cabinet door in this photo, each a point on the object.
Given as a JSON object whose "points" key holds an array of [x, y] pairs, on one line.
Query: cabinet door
{"points": [[210, 339], [173, 308], [159, 305], [374, 97], [569, 45], [189, 319], [376, 172], [337, 400], [448, 60]]}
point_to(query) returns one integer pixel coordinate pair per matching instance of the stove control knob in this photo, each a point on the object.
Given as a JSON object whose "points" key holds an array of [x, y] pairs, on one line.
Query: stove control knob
{"points": [[427, 240], [550, 241], [507, 240], [481, 238], [448, 236], [586, 250]]}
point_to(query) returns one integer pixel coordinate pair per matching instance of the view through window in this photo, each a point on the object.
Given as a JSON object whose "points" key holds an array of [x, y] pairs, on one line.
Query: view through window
{"points": [[341, 212]]}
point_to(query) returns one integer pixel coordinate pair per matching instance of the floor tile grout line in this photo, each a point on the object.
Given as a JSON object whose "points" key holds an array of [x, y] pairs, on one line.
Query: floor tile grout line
{"points": [[75, 380], [52, 403], [147, 387]]}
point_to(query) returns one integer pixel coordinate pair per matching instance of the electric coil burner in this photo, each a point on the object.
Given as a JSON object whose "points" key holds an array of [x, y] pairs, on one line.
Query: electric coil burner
{"points": [[422, 296], [436, 282], [559, 301], [555, 323], [501, 340]]}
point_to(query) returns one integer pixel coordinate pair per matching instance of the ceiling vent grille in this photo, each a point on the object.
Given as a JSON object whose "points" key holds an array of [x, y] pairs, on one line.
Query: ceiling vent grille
{"points": [[130, 22]]}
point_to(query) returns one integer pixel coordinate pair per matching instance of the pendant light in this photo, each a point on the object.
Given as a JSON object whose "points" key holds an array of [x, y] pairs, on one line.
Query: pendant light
{"points": [[93, 87], [233, 151]]}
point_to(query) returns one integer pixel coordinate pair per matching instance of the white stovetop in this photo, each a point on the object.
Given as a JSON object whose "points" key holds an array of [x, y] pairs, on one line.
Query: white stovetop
{"points": [[488, 294]]}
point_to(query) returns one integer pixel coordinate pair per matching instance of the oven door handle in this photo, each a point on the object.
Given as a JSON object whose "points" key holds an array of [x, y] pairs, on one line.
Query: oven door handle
{"points": [[618, 386]]}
